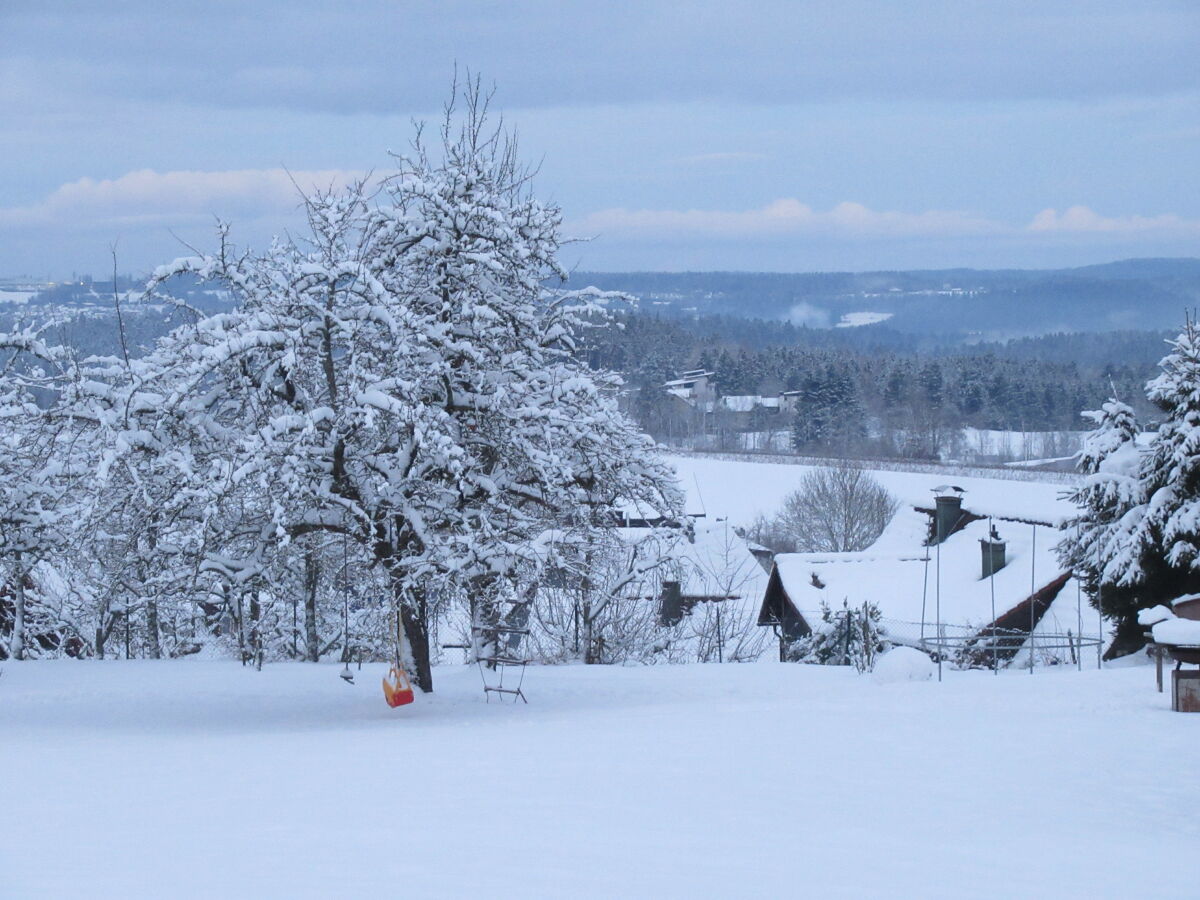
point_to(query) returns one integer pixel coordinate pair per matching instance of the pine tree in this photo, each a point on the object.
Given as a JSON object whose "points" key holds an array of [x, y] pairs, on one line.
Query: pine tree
{"points": [[1137, 538], [1111, 488], [846, 637]]}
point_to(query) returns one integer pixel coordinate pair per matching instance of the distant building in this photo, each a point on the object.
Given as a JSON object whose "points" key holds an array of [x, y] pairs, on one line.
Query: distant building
{"points": [[695, 386]]}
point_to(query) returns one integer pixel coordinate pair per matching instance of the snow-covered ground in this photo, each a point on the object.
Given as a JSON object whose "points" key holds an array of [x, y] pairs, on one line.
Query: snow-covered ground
{"points": [[858, 319], [204, 779], [1021, 445]]}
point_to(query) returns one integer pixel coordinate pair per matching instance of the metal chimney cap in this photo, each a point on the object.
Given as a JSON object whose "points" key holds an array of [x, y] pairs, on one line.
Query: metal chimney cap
{"points": [[947, 488]]}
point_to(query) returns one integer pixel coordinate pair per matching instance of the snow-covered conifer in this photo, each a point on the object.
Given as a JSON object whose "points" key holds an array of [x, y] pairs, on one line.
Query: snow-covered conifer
{"points": [[1109, 461], [1137, 537]]}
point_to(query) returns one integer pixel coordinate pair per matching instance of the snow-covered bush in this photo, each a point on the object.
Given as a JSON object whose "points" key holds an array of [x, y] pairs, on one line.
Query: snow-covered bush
{"points": [[845, 637]]}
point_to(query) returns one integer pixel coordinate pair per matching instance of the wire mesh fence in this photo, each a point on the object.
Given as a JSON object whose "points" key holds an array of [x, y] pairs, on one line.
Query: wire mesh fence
{"points": [[985, 646]]}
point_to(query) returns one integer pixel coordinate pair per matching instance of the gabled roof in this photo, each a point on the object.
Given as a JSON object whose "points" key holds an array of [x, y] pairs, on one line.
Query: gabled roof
{"points": [[901, 576], [687, 379], [716, 563]]}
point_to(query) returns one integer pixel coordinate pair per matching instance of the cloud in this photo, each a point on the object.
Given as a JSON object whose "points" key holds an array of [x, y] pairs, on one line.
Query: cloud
{"points": [[1083, 220], [786, 217], [789, 217], [342, 57], [147, 197]]}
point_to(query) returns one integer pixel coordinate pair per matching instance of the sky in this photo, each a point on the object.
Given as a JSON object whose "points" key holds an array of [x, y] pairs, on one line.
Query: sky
{"points": [[781, 135]]}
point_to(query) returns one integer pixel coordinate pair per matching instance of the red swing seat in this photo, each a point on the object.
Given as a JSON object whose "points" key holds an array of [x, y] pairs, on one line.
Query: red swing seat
{"points": [[397, 689]]}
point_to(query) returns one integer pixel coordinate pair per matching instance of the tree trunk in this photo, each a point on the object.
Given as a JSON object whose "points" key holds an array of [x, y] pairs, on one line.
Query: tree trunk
{"points": [[414, 616], [153, 644], [312, 577], [155, 647], [16, 645], [591, 647], [485, 619], [103, 628], [256, 646]]}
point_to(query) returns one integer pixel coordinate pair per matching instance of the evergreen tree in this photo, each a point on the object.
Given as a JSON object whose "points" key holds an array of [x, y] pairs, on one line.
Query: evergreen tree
{"points": [[847, 637], [1137, 538], [1109, 461]]}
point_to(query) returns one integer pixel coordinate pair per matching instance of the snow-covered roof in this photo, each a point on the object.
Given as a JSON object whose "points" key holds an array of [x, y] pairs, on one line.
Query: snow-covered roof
{"points": [[1180, 632], [895, 576], [1169, 628], [687, 379], [717, 562]]}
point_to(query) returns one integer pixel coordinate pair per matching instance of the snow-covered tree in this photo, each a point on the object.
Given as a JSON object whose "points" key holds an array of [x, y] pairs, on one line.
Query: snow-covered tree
{"points": [[845, 637], [1137, 538], [597, 601], [35, 457], [402, 377], [1110, 489], [835, 510]]}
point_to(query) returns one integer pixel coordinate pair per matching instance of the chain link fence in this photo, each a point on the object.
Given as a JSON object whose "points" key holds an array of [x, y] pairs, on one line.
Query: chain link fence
{"points": [[983, 647]]}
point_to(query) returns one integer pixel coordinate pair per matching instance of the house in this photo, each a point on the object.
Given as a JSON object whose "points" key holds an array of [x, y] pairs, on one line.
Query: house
{"points": [[943, 577], [789, 401], [747, 411], [695, 386], [730, 415]]}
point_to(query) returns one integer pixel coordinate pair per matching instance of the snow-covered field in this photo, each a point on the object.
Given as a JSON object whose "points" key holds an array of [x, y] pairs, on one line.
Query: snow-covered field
{"points": [[743, 489], [204, 779], [858, 319]]}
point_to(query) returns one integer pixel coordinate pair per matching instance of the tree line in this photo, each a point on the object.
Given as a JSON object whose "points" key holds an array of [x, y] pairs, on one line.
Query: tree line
{"points": [[856, 397]]}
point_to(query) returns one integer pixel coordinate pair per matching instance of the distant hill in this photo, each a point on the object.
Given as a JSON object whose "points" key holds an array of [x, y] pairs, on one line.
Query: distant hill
{"points": [[967, 303], [942, 305]]}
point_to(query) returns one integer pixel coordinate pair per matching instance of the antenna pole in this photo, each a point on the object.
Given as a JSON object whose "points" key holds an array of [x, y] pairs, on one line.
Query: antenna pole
{"points": [[938, 601], [992, 586], [1099, 609], [1032, 593], [1078, 613]]}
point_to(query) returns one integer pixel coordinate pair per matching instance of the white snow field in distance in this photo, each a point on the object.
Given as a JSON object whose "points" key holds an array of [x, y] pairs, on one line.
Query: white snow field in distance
{"points": [[858, 319], [743, 489]]}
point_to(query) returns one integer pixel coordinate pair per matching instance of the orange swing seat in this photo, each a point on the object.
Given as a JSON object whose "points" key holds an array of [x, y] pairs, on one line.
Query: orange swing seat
{"points": [[397, 689]]}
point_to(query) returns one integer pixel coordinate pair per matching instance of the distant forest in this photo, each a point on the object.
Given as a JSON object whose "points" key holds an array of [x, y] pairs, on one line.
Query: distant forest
{"points": [[872, 392]]}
